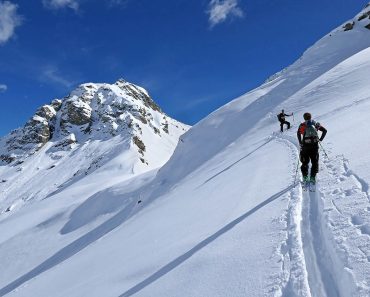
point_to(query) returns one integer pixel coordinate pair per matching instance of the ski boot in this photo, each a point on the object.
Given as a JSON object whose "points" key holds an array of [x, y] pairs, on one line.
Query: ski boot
{"points": [[306, 183], [312, 184]]}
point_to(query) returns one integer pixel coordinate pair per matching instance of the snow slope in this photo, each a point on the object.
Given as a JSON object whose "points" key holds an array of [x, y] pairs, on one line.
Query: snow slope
{"points": [[225, 215]]}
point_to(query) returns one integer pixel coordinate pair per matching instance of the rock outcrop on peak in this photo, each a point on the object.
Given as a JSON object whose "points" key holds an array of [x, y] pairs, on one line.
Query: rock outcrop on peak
{"points": [[91, 111], [362, 19], [364, 16], [349, 26]]}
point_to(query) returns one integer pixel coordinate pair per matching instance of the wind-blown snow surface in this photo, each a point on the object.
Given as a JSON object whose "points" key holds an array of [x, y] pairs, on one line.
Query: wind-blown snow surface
{"points": [[223, 217]]}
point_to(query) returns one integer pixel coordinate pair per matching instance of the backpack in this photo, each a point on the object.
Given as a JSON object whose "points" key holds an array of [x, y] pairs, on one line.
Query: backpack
{"points": [[309, 131], [280, 116]]}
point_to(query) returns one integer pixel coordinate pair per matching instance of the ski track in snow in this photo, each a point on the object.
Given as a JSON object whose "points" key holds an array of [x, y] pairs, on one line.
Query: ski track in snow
{"points": [[345, 203], [294, 276], [318, 262], [315, 254], [326, 241]]}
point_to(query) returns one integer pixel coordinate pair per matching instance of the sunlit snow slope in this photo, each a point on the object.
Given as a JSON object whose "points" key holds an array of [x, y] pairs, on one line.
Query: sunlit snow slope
{"points": [[223, 217]]}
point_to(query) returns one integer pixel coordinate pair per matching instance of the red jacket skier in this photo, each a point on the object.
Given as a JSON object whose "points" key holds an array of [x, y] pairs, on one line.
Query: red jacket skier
{"points": [[309, 141]]}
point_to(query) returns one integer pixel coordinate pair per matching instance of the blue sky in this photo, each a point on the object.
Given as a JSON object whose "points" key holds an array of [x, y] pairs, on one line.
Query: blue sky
{"points": [[192, 55]]}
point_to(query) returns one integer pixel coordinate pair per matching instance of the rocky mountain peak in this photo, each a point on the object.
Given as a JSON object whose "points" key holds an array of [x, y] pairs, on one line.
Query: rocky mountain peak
{"points": [[91, 111]]}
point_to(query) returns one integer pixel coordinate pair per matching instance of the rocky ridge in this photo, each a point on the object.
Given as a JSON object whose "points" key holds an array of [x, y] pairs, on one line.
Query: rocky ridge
{"points": [[362, 19]]}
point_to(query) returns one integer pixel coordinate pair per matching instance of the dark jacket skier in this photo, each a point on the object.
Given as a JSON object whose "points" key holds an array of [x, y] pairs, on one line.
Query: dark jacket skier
{"points": [[309, 141], [281, 117]]}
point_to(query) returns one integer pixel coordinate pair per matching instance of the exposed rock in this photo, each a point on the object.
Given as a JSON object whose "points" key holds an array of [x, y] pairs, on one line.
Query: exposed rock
{"points": [[150, 103], [165, 127], [349, 26], [6, 158], [38, 131], [367, 26], [106, 118], [56, 104], [47, 112], [19, 162], [156, 131], [137, 93], [139, 143], [364, 16], [67, 141], [78, 112]]}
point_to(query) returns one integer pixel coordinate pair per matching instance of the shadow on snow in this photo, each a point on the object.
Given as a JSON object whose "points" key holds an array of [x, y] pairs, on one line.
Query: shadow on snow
{"points": [[236, 162], [114, 222], [73, 248], [181, 259]]}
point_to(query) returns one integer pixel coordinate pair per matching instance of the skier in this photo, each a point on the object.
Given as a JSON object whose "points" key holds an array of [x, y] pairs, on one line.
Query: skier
{"points": [[281, 117], [309, 142]]}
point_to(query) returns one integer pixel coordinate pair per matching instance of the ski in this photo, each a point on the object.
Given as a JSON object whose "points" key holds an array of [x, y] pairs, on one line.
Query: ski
{"points": [[305, 186], [312, 187]]}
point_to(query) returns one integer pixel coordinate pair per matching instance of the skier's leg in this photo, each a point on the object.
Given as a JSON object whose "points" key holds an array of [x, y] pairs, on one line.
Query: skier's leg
{"points": [[288, 123], [281, 126], [305, 159], [314, 156]]}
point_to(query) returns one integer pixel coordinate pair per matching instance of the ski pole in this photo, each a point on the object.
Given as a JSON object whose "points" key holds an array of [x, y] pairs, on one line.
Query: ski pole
{"points": [[323, 150]]}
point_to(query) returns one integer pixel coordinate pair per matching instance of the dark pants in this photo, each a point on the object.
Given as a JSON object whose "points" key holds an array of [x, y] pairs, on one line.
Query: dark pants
{"points": [[282, 124], [310, 154]]}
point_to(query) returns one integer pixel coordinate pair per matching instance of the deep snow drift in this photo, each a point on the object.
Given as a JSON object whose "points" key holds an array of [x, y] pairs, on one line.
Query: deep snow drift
{"points": [[223, 217]]}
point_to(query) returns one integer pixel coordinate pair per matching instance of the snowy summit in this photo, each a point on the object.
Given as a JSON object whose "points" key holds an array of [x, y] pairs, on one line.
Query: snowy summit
{"points": [[87, 211]]}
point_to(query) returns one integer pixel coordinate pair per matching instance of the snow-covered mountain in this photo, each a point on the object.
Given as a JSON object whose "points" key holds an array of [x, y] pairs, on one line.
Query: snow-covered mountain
{"points": [[224, 216], [114, 129]]}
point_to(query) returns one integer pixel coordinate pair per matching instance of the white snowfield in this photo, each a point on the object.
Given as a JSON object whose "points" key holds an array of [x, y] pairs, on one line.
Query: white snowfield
{"points": [[226, 215]]}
